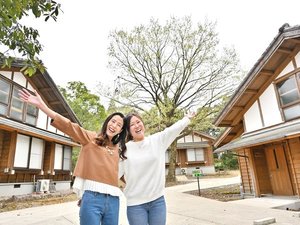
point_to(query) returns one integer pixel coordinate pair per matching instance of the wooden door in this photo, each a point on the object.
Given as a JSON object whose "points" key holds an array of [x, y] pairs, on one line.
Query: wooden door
{"points": [[262, 172], [278, 170]]}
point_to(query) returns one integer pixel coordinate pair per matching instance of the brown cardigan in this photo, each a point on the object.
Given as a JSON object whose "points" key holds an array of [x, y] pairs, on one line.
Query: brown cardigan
{"points": [[94, 162]]}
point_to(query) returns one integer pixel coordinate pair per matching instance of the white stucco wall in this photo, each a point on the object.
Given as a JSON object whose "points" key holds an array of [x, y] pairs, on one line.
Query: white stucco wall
{"points": [[6, 74], [269, 107], [252, 118], [19, 79], [297, 58], [290, 67]]}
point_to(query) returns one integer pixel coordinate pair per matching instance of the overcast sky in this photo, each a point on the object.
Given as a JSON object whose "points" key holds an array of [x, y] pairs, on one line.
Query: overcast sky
{"points": [[75, 47]]}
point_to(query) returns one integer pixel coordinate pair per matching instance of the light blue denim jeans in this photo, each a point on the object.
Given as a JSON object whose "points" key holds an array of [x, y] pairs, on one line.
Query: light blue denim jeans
{"points": [[99, 209], [150, 213]]}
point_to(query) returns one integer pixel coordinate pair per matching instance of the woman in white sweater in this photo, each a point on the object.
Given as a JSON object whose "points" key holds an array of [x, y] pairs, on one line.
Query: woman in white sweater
{"points": [[144, 170]]}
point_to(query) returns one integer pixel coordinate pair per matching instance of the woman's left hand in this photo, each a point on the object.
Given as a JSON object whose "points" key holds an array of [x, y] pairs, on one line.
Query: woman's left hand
{"points": [[190, 115]]}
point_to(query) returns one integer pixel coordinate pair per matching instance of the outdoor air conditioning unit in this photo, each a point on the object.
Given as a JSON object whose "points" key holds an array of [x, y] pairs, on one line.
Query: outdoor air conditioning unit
{"points": [[43, 185], [183, 171]]}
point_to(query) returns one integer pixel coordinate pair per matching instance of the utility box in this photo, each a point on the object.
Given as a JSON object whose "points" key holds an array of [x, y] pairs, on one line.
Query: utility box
{"points": [[43, 185]]}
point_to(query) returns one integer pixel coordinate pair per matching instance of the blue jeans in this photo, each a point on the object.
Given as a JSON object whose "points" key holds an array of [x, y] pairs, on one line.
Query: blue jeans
{"points": [[97, 208], [150, 213]]}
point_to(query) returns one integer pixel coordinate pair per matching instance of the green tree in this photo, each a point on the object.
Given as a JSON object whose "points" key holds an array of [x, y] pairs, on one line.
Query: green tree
{"points": [[86, 106], [24, 40], [171, 67]]}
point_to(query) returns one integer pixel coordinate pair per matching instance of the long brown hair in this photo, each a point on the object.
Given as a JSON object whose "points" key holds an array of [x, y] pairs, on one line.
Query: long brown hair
{"points": [[128, 119], [103, 140]]}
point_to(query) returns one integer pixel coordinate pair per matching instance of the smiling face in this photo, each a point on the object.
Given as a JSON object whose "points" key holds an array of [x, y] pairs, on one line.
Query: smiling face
{"points": [[137, 129], [114, 126]]}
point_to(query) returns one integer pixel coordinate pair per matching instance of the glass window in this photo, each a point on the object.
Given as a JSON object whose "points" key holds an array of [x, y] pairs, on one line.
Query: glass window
{"points": [[31, 114], [29, 152], [22, 151], [195, 155], [4, 91], [16, 105], [36, 153], [63, 157], [16, 110], [4, 96], [199, 154], [288, 92], [58, 157], [67, 158], [292, 112]]}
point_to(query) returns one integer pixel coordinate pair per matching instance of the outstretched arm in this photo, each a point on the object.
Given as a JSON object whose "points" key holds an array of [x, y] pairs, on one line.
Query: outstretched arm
{"points": [[37, 101]]}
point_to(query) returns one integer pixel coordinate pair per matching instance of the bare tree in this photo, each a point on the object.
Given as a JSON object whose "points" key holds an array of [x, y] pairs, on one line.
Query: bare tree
{"points": [[171, 67]]}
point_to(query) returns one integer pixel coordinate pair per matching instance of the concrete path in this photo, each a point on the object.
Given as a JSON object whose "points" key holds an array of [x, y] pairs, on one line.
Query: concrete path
{"points": [[183, 209]]}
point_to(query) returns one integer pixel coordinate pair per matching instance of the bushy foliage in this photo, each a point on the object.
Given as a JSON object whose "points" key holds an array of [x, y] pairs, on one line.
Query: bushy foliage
{"points": [[226, 161], [20, 38]]}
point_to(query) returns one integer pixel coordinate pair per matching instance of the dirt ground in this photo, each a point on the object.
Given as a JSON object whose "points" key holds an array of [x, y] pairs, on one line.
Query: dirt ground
{"points": [[224, 193]]}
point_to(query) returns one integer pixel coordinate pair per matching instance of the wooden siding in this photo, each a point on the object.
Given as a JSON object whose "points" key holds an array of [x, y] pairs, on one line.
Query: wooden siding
{"points": [[293, 150], [247, 183], [7, 150]]}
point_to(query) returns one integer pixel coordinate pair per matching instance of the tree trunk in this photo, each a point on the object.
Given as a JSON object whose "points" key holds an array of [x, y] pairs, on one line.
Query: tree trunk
{"points": [[172, 162]]}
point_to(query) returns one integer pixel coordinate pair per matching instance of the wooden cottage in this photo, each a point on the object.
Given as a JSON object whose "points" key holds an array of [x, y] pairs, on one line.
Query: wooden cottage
{"points": [[34, 156], [194, 152], [263, 120]]}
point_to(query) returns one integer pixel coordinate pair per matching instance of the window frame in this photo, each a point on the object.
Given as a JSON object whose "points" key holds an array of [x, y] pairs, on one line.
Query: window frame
{"points": [[62, 162], [195, 154], [29, 154], [8, 96], [14, 87], [283, 107]]}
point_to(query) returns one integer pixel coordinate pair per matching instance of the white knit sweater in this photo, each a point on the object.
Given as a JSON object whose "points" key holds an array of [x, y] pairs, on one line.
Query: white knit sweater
{"points": [[144, 168]]}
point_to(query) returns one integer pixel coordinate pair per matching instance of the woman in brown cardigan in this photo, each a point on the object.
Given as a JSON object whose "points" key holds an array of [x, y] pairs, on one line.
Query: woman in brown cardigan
{"points": [[96, 170]]}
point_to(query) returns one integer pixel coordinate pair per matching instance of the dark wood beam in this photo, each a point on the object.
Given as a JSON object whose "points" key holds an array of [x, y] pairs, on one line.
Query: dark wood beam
{"points": [[267, 72], [251, 91], [285, 50]]}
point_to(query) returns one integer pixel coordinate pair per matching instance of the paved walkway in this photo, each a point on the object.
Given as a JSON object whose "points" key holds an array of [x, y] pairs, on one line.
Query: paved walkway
{"points": [[183, 209]]}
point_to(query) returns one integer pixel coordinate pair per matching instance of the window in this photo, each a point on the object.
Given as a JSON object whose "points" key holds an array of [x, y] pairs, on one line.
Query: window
{"points": [[4, 96], [12, 106], [31, 114], [288, 92], [36, 153], [29, 152], [195, 155], [63, 157], [67, 158], [17, 105]]}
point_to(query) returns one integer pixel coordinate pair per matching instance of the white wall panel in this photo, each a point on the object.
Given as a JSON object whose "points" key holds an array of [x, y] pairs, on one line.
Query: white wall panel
{"points": [[6, 74], [22, 151], [252, 118], [290, 67], [19, 79], [297, 58], [42, 120], [269, 107]]}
